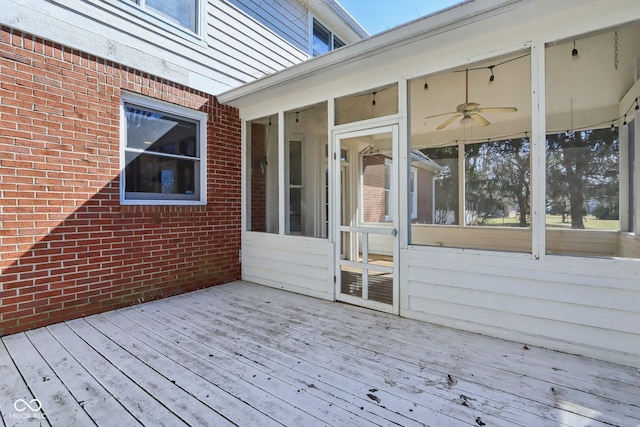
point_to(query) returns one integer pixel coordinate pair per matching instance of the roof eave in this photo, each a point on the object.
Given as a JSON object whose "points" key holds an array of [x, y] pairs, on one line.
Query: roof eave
{"points": [[427, 26]]}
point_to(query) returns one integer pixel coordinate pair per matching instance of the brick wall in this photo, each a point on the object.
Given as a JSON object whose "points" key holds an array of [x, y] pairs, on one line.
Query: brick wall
{"points": [[373, 188], [67, 246], [258, 204], [425, 197]]}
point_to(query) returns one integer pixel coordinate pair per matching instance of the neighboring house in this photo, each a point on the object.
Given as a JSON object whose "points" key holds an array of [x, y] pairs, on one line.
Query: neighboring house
{"points": [[120, 172], [377, 187], [526, 103]]}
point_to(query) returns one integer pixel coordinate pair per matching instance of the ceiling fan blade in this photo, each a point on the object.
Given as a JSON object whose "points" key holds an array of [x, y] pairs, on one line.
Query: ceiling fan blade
{"points": [[441, 114], [497, 110], [479, 119], [448, 122]]}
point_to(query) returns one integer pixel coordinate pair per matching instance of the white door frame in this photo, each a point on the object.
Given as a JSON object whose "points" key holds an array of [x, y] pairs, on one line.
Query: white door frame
{"points": [[338, 227]]}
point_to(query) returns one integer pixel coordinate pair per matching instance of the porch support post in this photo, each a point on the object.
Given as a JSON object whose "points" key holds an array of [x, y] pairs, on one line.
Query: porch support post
{"points": [[282, 185], [404, 224], [635, 198], [626, 220], [538, 150]]}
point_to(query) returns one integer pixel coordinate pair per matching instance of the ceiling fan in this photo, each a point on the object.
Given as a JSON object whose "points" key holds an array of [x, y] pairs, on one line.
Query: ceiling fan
{"points": [[470, 111]]}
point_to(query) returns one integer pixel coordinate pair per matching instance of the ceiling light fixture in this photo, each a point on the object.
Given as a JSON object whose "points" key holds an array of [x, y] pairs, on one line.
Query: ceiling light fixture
{"points": [[613, 127], [637, 106], [492, 77], [297, 113], [574, 52], [426, 85], [624, 123]]}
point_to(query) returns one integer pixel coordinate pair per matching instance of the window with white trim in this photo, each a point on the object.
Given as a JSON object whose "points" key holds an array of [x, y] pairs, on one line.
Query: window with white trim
{"points": [[183, 13], [163, 153], [413, 191], [324, 40]]}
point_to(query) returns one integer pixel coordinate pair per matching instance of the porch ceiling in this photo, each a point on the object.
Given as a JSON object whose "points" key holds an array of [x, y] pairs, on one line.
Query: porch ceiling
{"points": [[448, 41], [243, 354]]}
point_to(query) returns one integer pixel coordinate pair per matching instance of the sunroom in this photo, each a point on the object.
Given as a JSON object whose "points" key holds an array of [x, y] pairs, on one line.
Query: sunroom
{"points": [[475, 168]]}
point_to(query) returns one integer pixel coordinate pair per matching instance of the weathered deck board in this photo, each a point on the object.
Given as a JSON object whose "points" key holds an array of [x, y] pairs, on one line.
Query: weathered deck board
{"points": [[12, 388], [193, 372], [243, 354], [351, 376], [357, 359], [45, 384], [474, 361], [246, 381], [99, 404], [262, 347]]}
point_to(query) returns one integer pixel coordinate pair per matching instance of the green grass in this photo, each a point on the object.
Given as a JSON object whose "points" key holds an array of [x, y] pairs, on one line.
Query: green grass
{"points": [[555, 221]]}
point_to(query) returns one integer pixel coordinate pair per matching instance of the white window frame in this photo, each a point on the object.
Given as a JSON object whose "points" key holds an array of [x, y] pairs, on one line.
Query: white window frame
{"points": [[290, 186], [414, 193], [180, 112], [334, 36], [388, 192]]}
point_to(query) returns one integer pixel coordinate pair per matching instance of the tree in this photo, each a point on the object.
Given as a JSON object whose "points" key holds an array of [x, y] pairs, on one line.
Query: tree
{"points": [[446, 183], [581, 166], [498, 178]]}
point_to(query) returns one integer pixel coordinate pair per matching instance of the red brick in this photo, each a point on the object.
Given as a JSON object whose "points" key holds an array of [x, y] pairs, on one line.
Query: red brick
{"points": [[79, 251]]}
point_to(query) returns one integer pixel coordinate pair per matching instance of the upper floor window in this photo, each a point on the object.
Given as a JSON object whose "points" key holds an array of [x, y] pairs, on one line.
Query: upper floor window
{"points": [[183, 13], [163, 153], [324, 40]]}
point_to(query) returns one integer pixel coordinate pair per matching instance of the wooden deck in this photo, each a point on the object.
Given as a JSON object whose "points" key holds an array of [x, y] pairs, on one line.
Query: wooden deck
{"points": [[243, 354]]}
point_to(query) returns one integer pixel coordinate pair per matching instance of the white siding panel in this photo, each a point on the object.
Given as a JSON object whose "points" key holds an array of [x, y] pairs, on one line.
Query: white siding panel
{"points": [[297, 264], [119, 32], [599, 343], [247, 45], [287, 18], [582, 305]]}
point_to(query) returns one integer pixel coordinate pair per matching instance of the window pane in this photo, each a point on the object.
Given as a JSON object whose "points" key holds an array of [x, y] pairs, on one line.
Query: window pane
{"points": [[337, 43], [182, 12], [295, 188], [295, 163], [463, 118], [445, 185], [295, 210], [148, 173], [497, 184], [321, 39], [582, 186], [157, 132], [376, 186], [306, 194], [161, 156], [589, 191], [262, 168]]}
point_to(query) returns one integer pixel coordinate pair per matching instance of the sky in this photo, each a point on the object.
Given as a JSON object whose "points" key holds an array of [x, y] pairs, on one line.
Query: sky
{"points": [[380, 15]]}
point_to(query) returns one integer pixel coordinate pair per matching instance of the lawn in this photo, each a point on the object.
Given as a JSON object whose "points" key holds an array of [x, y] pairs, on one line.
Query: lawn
{"points": [[555, 221]]}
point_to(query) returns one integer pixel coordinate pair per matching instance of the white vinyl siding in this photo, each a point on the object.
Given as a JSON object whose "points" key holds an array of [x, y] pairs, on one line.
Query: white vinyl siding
{"points": [[572, 304], [288, 19], [230, 47], [298, 264]]}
